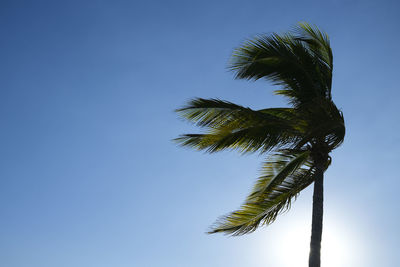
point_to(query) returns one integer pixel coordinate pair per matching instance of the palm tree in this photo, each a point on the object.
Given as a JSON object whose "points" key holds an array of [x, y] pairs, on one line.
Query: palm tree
{"points": [[297, 140]]}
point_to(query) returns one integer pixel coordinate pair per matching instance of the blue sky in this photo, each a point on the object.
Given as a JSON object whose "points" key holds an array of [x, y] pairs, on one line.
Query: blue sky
{"points": [[89, 175]]}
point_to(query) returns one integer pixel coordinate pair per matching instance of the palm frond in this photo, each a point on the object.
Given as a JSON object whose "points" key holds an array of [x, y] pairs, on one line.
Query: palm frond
{"points": [[275, 170], [319, 45], [216, 112], [283, 178], [272, 57], [230, 126], [317, 41], [260, 138], [300, 63]]}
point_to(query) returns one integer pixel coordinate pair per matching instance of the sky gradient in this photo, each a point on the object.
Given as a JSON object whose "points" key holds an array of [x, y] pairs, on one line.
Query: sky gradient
{"points": [[89, 175]]}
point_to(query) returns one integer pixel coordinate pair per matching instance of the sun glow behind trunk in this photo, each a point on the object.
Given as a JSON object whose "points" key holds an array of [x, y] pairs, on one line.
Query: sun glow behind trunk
{"points": [[338, 247]]}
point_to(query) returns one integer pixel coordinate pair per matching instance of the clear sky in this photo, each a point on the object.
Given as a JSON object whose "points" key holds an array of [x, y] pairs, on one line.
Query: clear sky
{"points": [[89, 175]]}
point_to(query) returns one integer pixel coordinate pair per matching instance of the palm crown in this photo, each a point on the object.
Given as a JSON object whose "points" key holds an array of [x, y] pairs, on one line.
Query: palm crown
{"points": [[296, 140]]}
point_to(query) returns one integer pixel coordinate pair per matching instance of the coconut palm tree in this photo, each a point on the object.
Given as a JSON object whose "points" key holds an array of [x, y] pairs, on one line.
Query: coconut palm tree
{"points": [[297, 140]]}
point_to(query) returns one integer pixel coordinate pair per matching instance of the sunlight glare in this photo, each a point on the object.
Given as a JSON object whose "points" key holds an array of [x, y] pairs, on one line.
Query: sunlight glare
{"points": [[293, 247]]}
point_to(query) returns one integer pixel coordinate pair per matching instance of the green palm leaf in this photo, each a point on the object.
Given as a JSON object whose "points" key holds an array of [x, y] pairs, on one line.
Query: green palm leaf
{"points": [[301, 63], [230, 126], [215, 112], [283, 178]]}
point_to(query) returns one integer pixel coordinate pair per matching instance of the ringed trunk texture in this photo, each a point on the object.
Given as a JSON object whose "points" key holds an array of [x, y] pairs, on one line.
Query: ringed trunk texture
{"points": [[317, 213]]}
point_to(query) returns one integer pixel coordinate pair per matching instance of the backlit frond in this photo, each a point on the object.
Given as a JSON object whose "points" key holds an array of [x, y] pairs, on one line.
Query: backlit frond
{"points": [[230, 126], [300, 62], [282, 179], [261, 138]]}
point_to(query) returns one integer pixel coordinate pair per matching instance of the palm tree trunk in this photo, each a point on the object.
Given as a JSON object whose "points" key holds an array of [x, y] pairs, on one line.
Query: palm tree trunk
{"points": [[317, 213]]}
